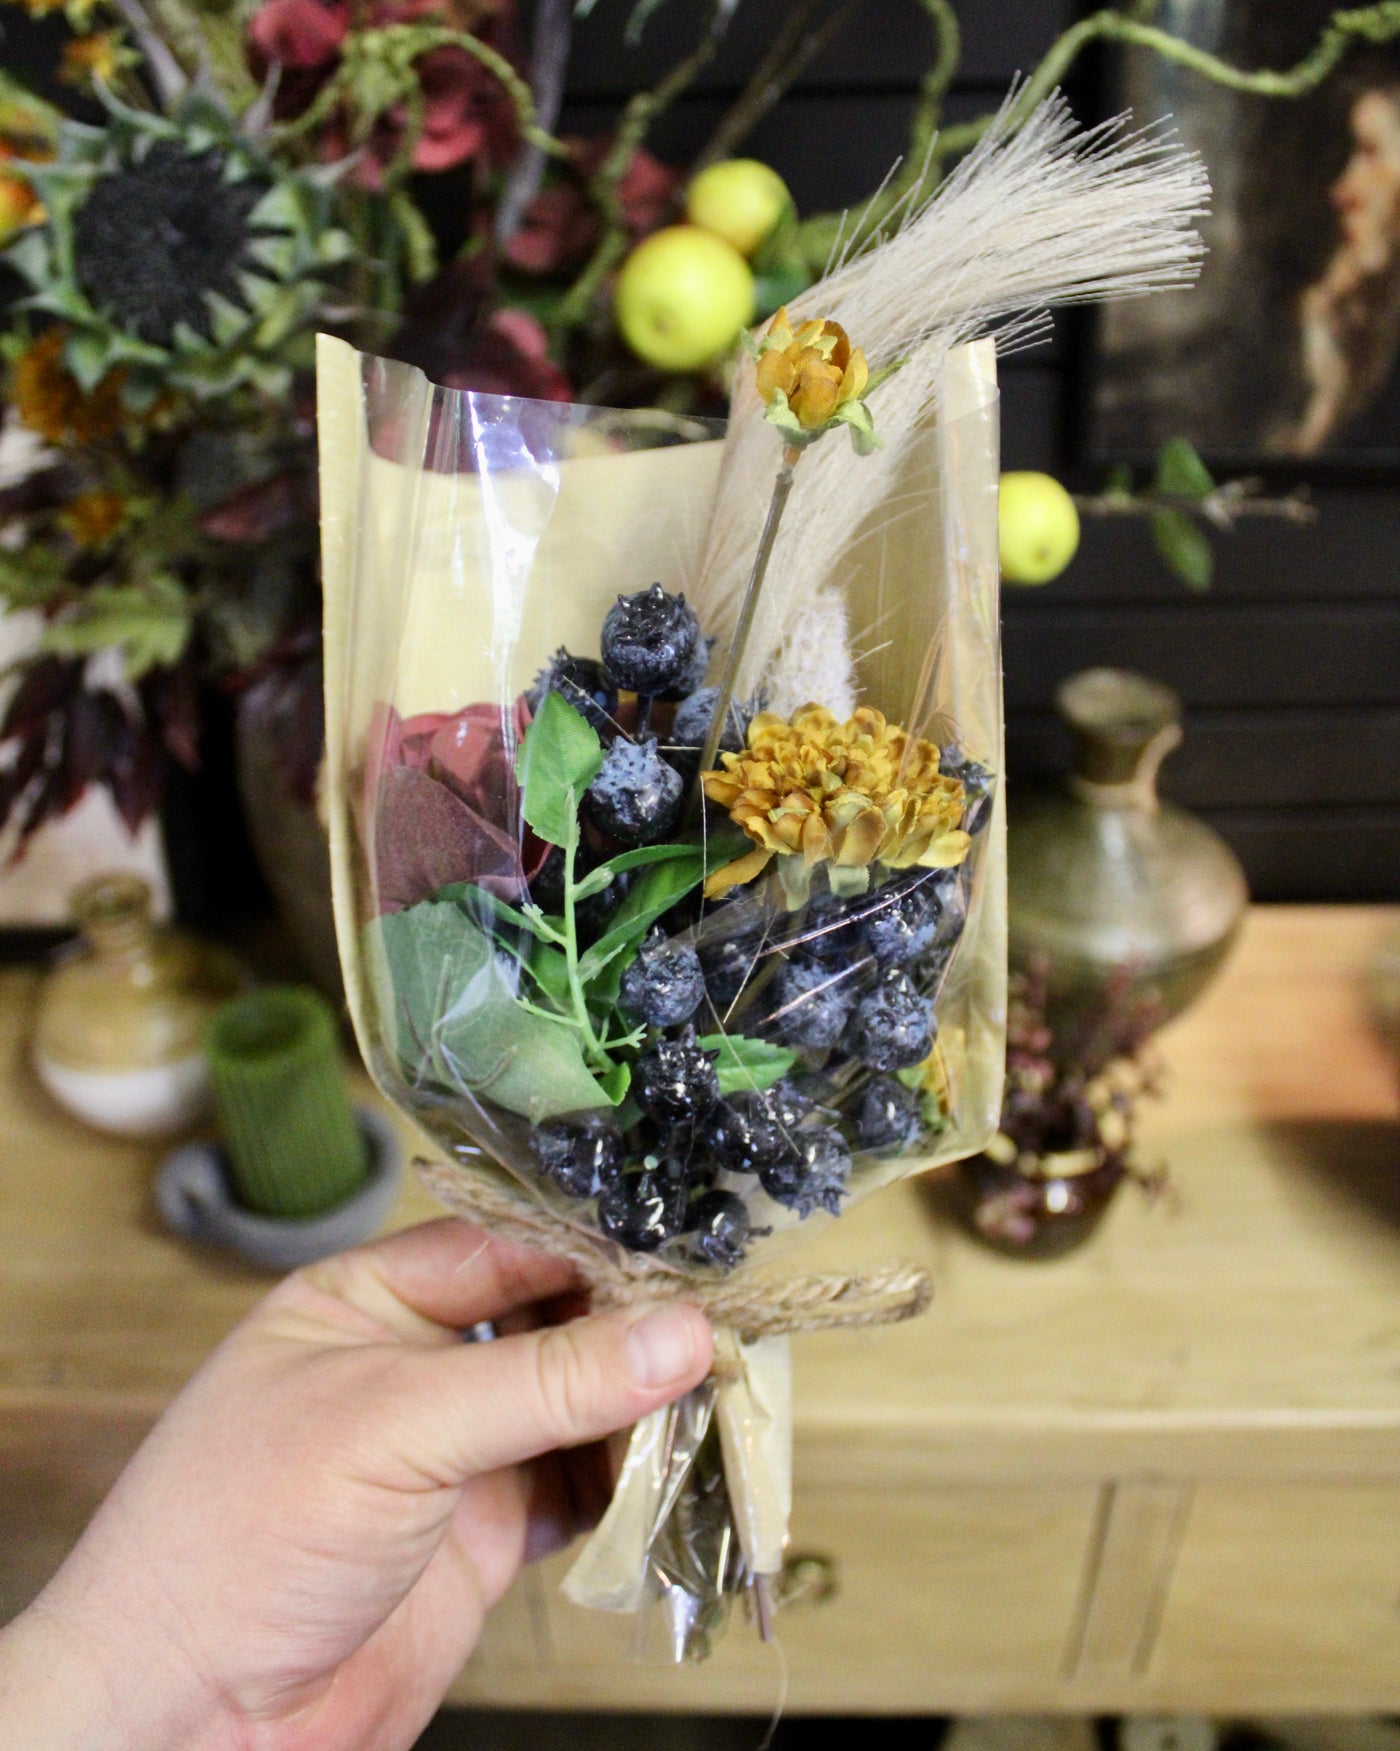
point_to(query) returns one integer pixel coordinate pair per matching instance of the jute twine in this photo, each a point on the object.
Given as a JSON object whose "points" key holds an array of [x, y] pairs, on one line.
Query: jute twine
{"points": [[751, 1306]]}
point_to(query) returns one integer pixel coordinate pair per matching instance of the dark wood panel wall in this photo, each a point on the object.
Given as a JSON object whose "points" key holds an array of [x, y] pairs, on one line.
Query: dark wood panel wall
{"points": [[1289, 668]]}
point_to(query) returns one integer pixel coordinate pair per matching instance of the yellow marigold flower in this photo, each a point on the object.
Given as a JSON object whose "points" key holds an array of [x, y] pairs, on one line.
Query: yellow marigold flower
{"points": [[811, 378], [51, 402], [848, 795], [98, 56], [93, 516]]}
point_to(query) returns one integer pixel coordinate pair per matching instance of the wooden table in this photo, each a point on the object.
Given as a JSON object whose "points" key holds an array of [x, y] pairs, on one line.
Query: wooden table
{"points": [[1163, 1473]]}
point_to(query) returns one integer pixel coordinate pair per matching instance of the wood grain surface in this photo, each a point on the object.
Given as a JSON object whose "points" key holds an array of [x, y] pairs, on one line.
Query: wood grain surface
{"points": [[1162, 1472]]}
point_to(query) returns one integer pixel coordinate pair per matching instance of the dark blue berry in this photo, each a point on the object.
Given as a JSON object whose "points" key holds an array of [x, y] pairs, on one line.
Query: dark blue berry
{"points": [[892, 1025], [949, 890], [902, 922], [636, 796], [579, 1156], [728, 964], [811, 1003], [693, 674], [752, 1130], [664, 985], [644, 1210], [718, 1230], [816, 1177], [649, 639], [977, 783], [674, 1081], [827, 931], [889, 1116], [695, 715], [580, 682]]}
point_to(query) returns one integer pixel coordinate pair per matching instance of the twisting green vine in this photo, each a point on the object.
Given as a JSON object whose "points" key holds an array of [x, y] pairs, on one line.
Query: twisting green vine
{"points": [[931, 149], [637, 120], [377, 72]]}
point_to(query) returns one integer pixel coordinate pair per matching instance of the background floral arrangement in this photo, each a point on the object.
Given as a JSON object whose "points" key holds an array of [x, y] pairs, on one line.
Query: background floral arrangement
{"points": [[222, 181]]}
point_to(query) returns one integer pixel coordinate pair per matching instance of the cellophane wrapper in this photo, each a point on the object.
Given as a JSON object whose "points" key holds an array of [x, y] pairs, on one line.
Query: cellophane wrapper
{"points": [[468, 538]]}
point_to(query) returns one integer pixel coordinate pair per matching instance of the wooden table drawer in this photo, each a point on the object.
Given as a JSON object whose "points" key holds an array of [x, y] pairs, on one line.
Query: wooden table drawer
{"points": [[962, 1591]]}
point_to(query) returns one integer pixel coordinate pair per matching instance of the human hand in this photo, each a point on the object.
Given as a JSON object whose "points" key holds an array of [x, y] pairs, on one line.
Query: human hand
{"points": [[301, 1555]]}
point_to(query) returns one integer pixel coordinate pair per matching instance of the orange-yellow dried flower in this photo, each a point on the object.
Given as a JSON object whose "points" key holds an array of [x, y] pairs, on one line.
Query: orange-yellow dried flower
{"points": [[51, 402], [811, 378], [19, 205], [815, 367], [94, 516], [98, 56], [848, 795]]}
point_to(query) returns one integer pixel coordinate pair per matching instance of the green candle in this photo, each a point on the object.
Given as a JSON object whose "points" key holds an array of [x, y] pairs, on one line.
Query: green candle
{"points": [[294, 1147]]}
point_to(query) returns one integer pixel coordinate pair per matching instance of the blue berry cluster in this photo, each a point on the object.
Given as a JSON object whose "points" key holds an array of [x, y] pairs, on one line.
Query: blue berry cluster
{"points": [[848, 985]]}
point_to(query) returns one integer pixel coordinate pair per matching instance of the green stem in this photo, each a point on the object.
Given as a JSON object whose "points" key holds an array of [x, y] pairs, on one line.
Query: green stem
{"points": [[583, 1019], [926, 151], [1375, 24], [794, 46], [782, 486], [395, 47], [641, 111]]}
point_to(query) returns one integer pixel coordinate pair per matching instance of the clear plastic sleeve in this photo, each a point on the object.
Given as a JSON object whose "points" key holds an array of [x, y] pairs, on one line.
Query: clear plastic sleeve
{"points": [[568, 957]]}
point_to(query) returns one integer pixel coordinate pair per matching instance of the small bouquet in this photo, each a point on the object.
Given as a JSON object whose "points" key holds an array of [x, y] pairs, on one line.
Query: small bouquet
{"points": [[666, 824]]}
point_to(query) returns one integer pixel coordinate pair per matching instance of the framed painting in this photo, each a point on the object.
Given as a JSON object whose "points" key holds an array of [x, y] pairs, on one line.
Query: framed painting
{"points": [[1289, 346]]}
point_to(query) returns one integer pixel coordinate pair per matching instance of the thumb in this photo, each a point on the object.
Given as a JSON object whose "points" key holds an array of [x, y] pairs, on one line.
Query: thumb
{"points": [[478, 1407]]}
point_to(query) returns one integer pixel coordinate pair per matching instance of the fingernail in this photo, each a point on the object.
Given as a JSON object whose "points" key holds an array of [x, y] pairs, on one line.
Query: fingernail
{"points": [[661, 1346]]}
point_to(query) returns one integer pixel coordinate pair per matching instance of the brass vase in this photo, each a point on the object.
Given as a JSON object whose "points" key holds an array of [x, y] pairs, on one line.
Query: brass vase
{"points": [[1110, 889]]}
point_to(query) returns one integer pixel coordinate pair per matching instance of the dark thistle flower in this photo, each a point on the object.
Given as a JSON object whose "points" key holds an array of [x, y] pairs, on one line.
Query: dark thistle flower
{"points": [[161, 234]]}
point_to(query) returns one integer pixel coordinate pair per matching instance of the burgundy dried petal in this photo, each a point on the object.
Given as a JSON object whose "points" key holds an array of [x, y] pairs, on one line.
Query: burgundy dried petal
{"points": [[296, 34], [48, 685], [136, 781], [95, 742], [257, 511], [425, 838], [171, 701], [17, 777]]}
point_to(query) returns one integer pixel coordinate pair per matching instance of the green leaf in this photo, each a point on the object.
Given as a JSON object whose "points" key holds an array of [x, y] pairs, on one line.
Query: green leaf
{"points": [[1180, 471], [558, 760], [616, 1082], [856, 415], [779, 285], [419, 245], [455, 1023], [746, 1063], [1185, 547], [655, 893], [149, 623], [486, 910], [597, 879], [1118, 483], [550, 971], [31, 576]]}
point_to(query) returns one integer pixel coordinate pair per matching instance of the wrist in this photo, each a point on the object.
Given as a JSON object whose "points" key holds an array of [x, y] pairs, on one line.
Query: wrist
{"points": [[69, 1685]]}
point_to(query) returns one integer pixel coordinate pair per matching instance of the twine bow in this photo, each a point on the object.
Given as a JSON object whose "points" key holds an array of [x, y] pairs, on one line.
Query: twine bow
{"points": [[750, 1306]]}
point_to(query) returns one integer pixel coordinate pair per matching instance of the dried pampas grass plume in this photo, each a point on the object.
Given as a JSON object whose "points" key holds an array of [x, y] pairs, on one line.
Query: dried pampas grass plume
{"points": [[815, 663], [1038, 215]]}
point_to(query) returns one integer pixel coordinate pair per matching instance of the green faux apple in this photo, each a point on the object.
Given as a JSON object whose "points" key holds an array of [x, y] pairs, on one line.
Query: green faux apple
{"points": [[682, 297], [740, 200], [1038, 527]]}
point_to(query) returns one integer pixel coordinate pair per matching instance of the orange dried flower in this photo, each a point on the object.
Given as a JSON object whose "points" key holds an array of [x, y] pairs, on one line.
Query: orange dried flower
{"points": [[50, 401], [94, 516], [815, 368], [19, 205], [98, 56], [850, 795]]}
